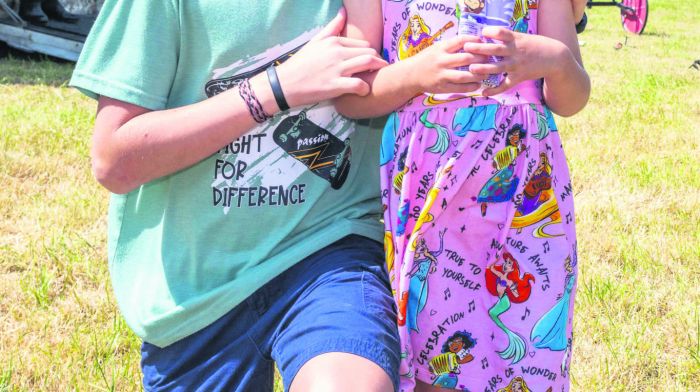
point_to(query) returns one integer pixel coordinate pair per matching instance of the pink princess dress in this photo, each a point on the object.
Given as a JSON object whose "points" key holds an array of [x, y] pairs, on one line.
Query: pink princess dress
{"points": [[479, 215]]}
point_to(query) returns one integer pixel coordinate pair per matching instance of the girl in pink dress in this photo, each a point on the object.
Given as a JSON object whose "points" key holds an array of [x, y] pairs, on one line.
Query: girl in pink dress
{"points": [[479, 216]]}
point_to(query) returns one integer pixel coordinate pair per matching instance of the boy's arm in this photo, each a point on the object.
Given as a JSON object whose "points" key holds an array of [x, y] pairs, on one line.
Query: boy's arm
{"points": [[386, 94], [432, 70], [132, 145]]}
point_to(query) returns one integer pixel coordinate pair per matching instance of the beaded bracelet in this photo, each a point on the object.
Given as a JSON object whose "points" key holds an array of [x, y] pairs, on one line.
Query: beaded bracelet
{"points": [[254, 106]]}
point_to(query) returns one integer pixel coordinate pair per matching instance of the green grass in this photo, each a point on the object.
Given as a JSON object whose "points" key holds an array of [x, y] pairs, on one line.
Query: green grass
{"points": [[635, 161]]}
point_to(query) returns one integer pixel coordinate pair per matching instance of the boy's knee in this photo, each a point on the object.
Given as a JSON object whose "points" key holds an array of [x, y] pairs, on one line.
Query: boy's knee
{"points": [[341, 372]]}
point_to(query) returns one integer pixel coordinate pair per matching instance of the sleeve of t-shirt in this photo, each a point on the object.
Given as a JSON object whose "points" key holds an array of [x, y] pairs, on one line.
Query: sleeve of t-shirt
{"points": [[131, 53]]}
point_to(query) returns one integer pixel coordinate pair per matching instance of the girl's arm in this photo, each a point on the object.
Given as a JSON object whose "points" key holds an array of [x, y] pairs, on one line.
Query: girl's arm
{"points": [[433, 69], [132, 145], [579, 8], [553, 55], [566, 89]]}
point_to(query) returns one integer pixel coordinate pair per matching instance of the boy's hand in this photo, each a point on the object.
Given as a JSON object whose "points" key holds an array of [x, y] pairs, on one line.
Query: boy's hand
{"points": [[325, 67], [525, 57], [435, 69]]}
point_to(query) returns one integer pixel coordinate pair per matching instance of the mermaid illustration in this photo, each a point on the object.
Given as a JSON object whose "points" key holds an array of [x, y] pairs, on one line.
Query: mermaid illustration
{"points": [[505, 282], [424, 263], [539, 201], [455, 352], [545, 122], [386, 153], [501, 187], [474, 119], [443, 136], [550, 330]]}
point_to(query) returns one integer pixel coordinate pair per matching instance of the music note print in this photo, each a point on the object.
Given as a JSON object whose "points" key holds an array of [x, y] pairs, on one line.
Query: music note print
{"points": [[527, 313], [484, 363], [447, 293], [472, 306]]}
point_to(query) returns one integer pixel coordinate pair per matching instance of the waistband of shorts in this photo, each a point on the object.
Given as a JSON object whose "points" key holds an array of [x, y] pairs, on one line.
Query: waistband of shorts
{"points": [[528, 92]]}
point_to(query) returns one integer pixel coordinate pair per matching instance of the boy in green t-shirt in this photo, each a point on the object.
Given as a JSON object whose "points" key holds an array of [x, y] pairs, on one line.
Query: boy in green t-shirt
{"points": [[242, 232]]}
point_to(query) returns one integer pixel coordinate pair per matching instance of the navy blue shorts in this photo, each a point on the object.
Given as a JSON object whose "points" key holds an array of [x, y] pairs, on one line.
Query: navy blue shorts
{"points": [[336, 300]]}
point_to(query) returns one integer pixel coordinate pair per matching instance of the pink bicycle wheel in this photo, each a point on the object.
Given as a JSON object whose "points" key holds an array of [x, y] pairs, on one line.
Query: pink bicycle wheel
{"points": [[634, 19]]}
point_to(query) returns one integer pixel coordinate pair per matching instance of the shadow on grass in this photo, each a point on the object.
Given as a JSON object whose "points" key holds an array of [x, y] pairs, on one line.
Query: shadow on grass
{"points": [[659, 34], [21, 68]]}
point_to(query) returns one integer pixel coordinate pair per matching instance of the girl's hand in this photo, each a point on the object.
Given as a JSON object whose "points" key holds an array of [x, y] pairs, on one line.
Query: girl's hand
{"points": [[325, 67], [434, 69], [525, 57]]}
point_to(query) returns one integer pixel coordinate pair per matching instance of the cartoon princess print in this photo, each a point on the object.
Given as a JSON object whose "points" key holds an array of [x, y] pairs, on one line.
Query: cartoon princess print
{"points": [[521, 16], [424, 263], [516, 385], [550, 330], [501, 187], [505, 282], [416, 32], [539, 201], [455, 352], [417, 37]]}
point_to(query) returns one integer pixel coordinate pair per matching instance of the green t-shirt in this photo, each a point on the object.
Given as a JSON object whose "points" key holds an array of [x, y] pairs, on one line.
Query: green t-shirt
{"points": [[187, 248]]}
